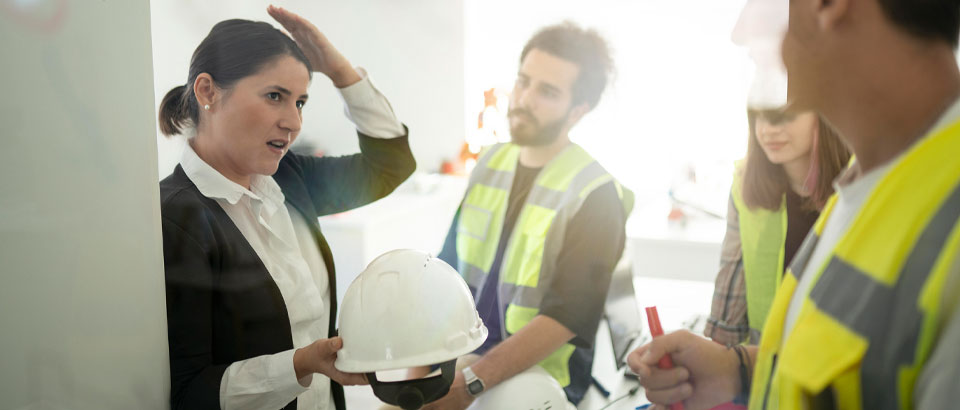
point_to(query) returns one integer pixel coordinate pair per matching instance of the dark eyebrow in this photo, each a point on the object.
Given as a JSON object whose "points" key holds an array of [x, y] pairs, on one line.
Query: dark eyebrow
{"points": [[287, 92]]}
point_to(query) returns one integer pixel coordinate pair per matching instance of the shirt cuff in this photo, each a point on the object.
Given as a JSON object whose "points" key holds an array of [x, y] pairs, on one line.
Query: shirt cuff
{"points": [[268, 381], [283, 376], [369, 110]]}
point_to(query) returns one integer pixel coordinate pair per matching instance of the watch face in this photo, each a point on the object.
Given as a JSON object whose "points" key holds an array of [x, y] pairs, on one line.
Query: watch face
{"points": [[475, 387]]}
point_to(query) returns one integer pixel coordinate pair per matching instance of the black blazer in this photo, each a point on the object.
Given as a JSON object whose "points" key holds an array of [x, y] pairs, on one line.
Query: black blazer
{"points": [[222, 304]]}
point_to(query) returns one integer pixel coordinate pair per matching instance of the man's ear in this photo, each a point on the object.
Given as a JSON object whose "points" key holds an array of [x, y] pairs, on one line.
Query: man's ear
{"points": [[830, 12], [576, 113]]}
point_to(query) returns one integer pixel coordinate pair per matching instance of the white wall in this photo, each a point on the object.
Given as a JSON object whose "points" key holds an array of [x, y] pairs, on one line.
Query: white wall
{"points": [[413, 51], [82, 312]]}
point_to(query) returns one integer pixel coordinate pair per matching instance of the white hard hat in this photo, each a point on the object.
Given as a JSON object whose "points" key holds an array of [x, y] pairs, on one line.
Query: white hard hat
{"points": [[760, 28], [533, 388], [407, 309], [761, 21]]}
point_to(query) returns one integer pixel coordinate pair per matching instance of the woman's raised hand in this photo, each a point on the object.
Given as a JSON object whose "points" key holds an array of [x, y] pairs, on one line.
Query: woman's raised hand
{"points": [[323, 56]]}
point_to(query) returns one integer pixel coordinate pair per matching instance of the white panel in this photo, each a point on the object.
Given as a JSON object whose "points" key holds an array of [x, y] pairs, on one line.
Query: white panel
{"points": [[81, 279]]}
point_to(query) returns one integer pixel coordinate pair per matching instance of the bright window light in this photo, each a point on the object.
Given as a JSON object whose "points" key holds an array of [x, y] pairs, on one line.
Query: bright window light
{"points": [[677, 105]]}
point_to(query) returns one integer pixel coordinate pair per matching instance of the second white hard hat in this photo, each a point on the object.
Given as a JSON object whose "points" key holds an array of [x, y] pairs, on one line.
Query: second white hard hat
{"points": [[533, 388]]}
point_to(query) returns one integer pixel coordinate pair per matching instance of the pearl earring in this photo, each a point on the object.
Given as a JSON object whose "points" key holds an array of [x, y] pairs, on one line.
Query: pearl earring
{"points": [[206, 106]]}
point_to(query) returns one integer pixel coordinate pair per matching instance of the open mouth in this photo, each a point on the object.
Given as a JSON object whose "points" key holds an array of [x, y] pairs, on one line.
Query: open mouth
{"points": [[278, 144]]}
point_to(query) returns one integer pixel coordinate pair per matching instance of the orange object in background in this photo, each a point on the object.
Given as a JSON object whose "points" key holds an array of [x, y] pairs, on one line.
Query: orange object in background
{"points": [[485, 134]]}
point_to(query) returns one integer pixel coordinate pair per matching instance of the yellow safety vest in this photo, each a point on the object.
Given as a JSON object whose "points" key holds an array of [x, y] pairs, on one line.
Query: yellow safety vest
{"points": [[762, 236], [869, 323], [534, 245]]}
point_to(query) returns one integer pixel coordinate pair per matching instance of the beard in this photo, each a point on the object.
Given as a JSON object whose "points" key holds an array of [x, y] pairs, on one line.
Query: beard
{"points": [[533, 133]]}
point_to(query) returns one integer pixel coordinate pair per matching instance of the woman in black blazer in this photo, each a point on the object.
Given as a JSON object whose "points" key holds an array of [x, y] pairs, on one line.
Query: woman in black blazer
{"points": [[245, 261]]}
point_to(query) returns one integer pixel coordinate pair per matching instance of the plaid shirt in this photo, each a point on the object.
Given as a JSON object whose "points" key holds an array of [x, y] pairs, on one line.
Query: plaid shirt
{"points": [[728, 323]]}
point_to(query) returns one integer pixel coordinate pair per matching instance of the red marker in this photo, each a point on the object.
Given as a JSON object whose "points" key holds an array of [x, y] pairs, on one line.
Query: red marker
{"points": [[653, 319]]}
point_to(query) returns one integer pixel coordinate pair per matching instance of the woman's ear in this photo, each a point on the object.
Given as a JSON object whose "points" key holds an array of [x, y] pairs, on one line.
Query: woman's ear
{"points": [[206, 91]]}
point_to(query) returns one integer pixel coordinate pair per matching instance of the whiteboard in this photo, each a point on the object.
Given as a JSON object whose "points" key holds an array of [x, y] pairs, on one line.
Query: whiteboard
{"points": [[82, 315]]}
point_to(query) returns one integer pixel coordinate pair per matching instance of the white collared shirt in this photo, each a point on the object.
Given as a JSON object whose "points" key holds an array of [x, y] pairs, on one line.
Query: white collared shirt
{"points": [[282, 239]]}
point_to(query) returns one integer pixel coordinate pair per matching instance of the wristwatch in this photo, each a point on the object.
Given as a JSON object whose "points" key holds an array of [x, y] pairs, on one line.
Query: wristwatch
{"points": [[475, 386]]}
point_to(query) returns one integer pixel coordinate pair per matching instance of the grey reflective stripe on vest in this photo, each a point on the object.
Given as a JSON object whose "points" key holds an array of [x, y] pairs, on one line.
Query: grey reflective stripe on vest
{"points": [[483, 160], [520, 295], [552, 199], [545, 197], [802, 257], [490, 177], [888, 317], [473, 275], [587, 176]]}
